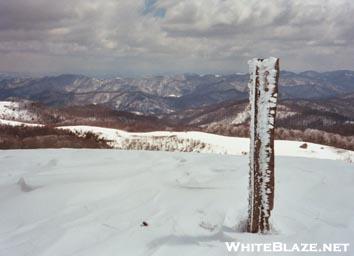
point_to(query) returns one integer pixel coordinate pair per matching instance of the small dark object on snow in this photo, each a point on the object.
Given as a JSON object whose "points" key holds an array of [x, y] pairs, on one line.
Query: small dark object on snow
{"points": [[144, 224], [304, 146]]}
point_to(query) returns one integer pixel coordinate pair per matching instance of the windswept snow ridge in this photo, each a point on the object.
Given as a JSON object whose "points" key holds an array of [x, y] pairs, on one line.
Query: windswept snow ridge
{"points": [[199, 142], [209, 143], [17, 123]]}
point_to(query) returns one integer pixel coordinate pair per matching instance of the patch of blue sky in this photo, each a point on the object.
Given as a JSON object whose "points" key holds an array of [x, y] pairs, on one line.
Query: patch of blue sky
{"points": [[150, 8]]}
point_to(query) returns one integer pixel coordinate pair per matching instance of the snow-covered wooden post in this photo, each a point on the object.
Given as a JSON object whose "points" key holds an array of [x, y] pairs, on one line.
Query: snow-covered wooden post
{"points": [[263, 85]]}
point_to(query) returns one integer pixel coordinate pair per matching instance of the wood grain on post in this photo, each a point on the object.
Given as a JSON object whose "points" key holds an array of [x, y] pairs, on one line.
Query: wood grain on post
{"points": [[263, 85]]}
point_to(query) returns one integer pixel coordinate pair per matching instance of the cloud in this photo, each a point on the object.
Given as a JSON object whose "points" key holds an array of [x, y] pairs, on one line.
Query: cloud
{"points": [[157, 36]]}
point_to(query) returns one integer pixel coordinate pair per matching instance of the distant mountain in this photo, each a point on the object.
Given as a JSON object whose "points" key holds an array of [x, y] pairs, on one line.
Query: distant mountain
{"points": [[315, 85], [329, 121], [11, 75], [161, 95], [334, 115]]}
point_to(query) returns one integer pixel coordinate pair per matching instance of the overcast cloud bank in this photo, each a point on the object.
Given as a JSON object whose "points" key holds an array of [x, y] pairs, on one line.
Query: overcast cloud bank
{"points": [[169, 36]]}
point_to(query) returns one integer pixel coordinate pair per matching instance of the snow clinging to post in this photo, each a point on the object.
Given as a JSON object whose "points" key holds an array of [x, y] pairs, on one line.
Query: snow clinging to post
{"points": [[263, 83]]}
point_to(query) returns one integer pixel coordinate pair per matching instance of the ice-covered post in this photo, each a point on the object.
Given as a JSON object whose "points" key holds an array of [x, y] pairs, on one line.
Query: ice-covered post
{"points": [[263, 85]]}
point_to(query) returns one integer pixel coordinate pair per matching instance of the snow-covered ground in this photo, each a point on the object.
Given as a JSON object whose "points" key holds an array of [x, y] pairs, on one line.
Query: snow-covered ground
{"points": [[178, 141], [17, 123], [198, 142], [213, 143], [92, 202], [15, 111]]}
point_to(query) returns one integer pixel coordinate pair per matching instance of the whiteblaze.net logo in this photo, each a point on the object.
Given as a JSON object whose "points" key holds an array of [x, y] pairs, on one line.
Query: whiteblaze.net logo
{"points": [[234, 247]]}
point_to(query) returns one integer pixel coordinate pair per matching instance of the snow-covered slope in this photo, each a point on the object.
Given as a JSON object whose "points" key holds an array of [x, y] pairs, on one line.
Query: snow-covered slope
{"points": [[92, 202], [201, 142], [16, 123], [207, 143], [15, 111]]}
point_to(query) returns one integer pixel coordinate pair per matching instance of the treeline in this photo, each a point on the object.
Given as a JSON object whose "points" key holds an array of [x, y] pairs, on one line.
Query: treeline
{"points": [[94, 115], [24, 137], [170, 143], [324, 121], [308, 135]]}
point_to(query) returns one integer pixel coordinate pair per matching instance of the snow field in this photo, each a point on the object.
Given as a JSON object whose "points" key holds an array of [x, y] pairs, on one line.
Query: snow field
{"points": [[219, 144], [92, 202]]}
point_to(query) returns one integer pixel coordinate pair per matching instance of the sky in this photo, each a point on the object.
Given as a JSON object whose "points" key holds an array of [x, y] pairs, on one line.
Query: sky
{"points": [[138, 37]]}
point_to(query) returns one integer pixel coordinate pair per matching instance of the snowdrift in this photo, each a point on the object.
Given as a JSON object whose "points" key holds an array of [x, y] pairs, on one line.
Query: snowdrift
{"points": [[93, 202]]}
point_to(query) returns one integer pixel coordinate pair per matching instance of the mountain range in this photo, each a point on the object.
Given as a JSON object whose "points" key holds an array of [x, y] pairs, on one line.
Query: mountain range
{"points": [[313, 107], [161, 95]]}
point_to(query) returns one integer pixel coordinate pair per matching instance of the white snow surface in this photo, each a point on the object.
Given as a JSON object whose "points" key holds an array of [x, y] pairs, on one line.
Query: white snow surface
{"points": [[219, 144], [213, 143], [242, 116], [92, 202], [16, 123], [13, 111]]}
